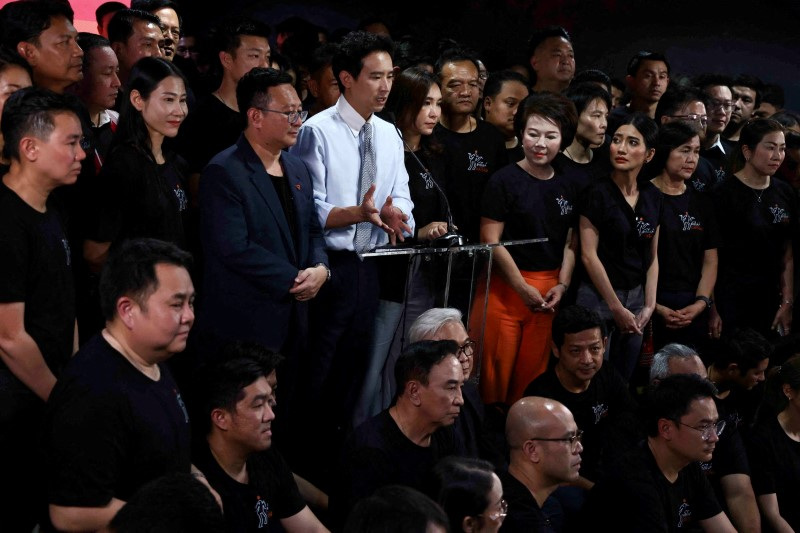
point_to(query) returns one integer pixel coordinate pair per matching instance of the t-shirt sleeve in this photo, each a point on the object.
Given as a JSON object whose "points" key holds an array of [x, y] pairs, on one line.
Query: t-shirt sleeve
{"points": [[705, 500], [590, 205], [15, 251], [496, 203], [713, 238], [290, 502], [761, 454]]}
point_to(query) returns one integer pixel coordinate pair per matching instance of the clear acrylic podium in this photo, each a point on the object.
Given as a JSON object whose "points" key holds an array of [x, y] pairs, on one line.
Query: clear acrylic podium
{"points": [[467, 275]]}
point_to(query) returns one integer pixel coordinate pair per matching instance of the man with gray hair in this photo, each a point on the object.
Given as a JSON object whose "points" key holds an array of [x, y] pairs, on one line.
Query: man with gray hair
{"points": [[728, 470]]}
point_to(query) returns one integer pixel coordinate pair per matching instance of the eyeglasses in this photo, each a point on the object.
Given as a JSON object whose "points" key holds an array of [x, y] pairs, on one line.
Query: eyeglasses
{"points": [[483, 75], [500, 514], [467, 349], [292, 116], [693, 117], [707, 429], [574, 440], [719, 104]]}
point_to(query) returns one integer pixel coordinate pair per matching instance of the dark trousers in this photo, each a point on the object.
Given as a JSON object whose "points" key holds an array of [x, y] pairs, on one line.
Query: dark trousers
{"points": [[341, 320]]}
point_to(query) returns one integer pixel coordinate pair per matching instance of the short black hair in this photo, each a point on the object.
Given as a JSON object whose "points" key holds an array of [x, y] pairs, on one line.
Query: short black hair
{"points": [[227, 36], [155, 5], [221, 383], [253, 88], [551, 106], [495, 81], [670, 136], [593, 75], [395, 509], [706, 80], [24, 21], [321, 59], [676, 97], [636, 61], [574, 319], [88, 41], [773, 94], [174, 503], [105, 8], [744, 347], [30, 112], [455, 54], [355, 46], [416, 361], [584, 93], [751, 82], [462, 487], [539, 36], [120, 27], [753, 131], [130, 270], [671, 397]]}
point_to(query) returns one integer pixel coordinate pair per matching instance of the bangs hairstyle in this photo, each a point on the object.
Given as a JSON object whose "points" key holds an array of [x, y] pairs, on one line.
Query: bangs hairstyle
{"points": [[145, 76], [645, 125], [409, 91], [30, 112], [355, 46], [670, 136], [227, 36], [636, 61], [671, 397], [753, 132], [574, 319], [584, 93], [554, 107], [24, 21]]}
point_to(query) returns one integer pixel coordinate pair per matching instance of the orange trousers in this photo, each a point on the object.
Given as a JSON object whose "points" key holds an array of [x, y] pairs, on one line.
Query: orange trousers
{"points": [[516, 341]]}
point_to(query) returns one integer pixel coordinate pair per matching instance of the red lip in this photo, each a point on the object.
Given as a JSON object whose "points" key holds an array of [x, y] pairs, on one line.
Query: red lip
{"points": [[621, 159]]}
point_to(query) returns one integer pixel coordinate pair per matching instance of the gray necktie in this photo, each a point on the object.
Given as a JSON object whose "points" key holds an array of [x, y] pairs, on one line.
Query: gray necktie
{"points": [[366, 179]]}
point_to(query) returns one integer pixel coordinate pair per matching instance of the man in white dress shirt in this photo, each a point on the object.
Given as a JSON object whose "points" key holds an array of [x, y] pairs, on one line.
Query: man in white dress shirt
{"points": [[362, 200]]}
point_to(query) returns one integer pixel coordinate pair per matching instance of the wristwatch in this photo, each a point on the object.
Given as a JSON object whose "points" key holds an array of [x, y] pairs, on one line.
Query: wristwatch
{"points": [[328, 270], [708, 301]]}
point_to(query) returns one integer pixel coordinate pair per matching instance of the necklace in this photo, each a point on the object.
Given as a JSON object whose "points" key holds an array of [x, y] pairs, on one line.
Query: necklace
{"points": [[760, 190], [572, 157], [153, 372]]}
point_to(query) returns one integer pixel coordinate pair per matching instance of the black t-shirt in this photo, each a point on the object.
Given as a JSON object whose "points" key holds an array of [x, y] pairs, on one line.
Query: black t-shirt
{"points": [[429, 206], [524, 513], [688, 229], [719, 158], [625, 233], [208, 130], [111, 429], [531, 208], [270, 495], [470, 158], [377, 453], [636, 497], [706, 176], [36, 270], [753, 232], [582, 174], [139, 198], [775, 461], [601, 411]]}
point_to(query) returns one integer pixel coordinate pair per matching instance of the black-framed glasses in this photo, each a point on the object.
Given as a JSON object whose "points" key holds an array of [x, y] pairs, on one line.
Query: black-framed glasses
{"points": [[573, 440], [706, 429], [292, 116], [720, 104], [692, 117], [499, 514], [467, 349]]}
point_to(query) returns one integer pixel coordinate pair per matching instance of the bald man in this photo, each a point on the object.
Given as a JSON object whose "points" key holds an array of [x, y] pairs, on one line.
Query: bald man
{"points": [[546, 448]]}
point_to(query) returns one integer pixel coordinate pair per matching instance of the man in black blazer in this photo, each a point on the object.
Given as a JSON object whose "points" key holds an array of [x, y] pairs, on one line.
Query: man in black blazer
{"points": [[263, 245]]}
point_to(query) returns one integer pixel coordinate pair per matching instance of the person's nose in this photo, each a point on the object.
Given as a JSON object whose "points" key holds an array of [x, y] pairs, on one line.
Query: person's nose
{"points": [[459, 399]]}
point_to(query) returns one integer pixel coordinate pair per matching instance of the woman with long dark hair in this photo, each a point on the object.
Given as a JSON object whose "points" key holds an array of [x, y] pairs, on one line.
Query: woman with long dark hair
{"points": [[687, 242], [406, 282], [141, 185], [757, 217], [619, 221]]}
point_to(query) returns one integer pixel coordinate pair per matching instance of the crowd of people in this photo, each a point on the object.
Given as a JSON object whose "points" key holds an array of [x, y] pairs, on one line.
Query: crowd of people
{"points": [[184, 230]]}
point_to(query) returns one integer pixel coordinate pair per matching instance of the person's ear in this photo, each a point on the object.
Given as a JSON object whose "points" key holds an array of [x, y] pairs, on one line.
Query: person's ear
{"points": [[556, 350], [29, 148], [665, 428], [469, 524], [788, 391], [313, 87], [226, 59], [746, 152], [220, 418], [29, 52], [125, 308], [136, 100], [650, 153], [413, 389], [346, 79]]}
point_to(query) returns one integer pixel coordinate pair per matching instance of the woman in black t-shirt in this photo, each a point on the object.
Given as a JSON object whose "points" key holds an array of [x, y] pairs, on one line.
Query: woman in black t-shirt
{"points": [[619, 220], [140, 189], [757, 217], [525, 200], [406, 282], [687, 242]]}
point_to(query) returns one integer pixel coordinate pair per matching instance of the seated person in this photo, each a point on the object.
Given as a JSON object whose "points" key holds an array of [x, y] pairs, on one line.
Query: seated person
{"points": [[254, 481], [397, 509], [401, 444], [661, 481], [546, 451]]}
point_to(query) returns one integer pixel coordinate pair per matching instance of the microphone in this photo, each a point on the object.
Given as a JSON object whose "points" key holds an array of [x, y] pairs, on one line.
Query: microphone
{"points": [[451, 238]]}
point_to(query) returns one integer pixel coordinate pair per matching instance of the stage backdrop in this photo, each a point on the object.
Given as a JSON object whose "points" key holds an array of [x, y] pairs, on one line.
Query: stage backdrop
{"points": [[84, 13]]}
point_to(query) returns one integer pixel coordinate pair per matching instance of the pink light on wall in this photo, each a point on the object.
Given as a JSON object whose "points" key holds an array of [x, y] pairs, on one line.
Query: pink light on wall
{"points": [[84, 13]]}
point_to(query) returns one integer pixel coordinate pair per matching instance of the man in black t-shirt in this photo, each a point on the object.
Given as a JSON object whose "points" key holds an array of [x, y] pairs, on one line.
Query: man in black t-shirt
{"points": [[728, 470], [236, 455], [37, 299], [661, 482]]}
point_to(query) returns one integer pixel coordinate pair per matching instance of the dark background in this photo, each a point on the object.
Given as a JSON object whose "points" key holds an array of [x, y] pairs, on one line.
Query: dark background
{"points": [[757, 37]]}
